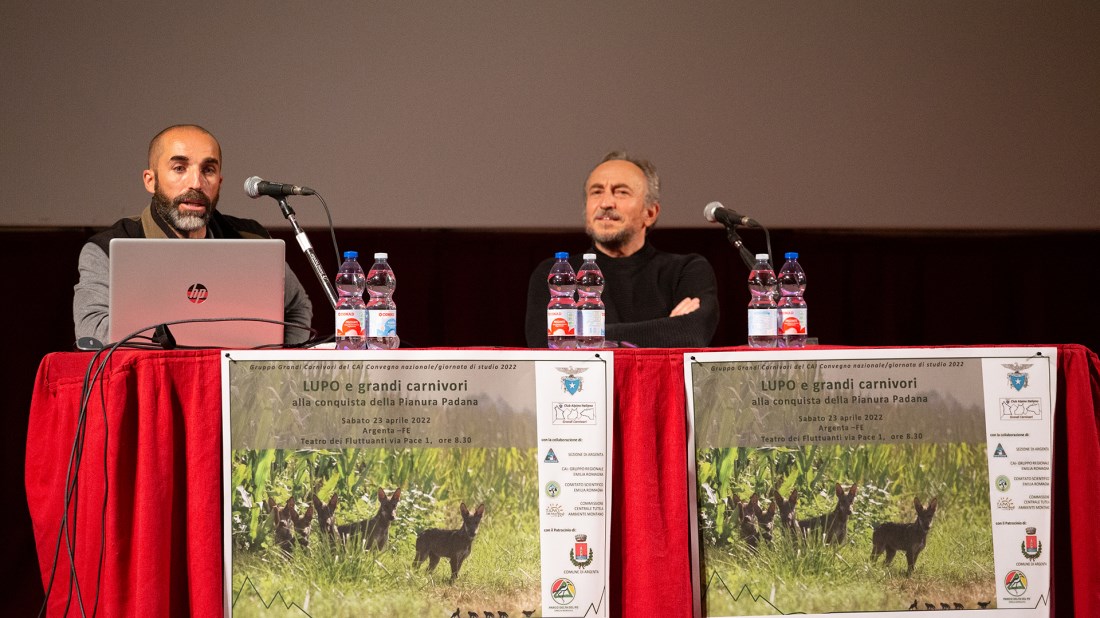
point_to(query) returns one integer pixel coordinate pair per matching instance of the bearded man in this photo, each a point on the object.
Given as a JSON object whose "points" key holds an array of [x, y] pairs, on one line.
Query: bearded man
{"points": [[651, 298], [184, 178]]}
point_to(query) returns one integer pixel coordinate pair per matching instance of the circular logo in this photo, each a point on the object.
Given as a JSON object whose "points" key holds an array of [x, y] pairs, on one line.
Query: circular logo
{"points": [[562, 591], [553, 489], [197, 293], [1003, 483], [1016, 583], [791, 326], [349, 328], [559, 325]]}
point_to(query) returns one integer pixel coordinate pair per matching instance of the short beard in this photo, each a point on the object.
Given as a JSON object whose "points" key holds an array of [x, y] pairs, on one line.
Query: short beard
{"points": [[169, 209], [613, 241]]}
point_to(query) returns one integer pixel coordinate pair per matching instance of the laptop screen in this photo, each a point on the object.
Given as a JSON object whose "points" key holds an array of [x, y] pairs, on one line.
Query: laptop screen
{"points": [[159, 280]]}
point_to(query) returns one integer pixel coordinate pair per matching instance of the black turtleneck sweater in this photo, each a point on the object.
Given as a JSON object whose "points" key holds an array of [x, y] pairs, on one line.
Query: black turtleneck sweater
{"points": [[639, 292]]}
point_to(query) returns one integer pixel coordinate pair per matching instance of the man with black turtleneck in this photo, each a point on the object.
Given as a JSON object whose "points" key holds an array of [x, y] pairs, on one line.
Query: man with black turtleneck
{"points": [[652, 298]]}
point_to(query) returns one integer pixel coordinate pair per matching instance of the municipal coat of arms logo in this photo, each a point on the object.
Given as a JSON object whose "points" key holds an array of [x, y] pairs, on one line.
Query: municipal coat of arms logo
{"points": [[571, 383], [581, 556], [1032, 547], [1017, 379]]}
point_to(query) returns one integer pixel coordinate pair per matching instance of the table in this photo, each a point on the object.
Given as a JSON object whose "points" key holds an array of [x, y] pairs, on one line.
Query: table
{"points": [[162, 515]]}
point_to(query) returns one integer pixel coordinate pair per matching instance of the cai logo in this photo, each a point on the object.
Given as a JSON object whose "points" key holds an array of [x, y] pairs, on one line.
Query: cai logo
{"points": [[1000, 451], [1016, 583], [571, 383], [1017, 379], [562, 591], [1003, 483], [1032, 547], [550, 457], [197, 293], [1006, 504], [553, 489], [555, 510]]}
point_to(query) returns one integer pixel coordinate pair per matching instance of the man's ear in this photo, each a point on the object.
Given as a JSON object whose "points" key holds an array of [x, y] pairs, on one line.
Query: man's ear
{"points": [[651, 212], [149, 179]]}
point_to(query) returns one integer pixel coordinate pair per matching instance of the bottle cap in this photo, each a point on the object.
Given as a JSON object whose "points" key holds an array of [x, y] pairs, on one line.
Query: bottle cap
{"points": [[589, 257], [561, 255], [381, 256], [791, 255], [351, 255], [762, 257]]}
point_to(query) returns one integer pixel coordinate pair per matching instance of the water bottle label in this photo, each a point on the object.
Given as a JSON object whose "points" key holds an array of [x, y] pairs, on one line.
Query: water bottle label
{"points": [[792, 321], [561, 322], [351, 322], [762, 322], [383, 322], [591, 323]]}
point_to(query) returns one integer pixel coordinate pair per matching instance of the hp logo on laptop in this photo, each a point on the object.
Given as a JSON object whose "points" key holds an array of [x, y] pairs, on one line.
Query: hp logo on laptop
{"points": [[197, 293]]}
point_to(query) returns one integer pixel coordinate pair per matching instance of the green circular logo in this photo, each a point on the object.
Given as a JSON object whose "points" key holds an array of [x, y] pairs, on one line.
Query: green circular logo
{"points": [[562, 591]]}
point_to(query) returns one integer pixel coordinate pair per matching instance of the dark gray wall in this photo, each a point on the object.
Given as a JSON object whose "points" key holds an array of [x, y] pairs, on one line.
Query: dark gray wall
{"points": [[925, 114]]}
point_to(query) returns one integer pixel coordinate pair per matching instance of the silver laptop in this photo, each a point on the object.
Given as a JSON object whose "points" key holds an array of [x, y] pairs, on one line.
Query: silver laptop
{"points": [[154, 281]]}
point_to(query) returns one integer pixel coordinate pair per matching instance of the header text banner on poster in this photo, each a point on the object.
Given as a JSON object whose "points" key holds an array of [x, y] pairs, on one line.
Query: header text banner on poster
{"points": [[849, 482], [351, 476]]}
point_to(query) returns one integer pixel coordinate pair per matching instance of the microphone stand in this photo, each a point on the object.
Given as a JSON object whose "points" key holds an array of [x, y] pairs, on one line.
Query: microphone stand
{"points": [[307, 248], [746, 256]]}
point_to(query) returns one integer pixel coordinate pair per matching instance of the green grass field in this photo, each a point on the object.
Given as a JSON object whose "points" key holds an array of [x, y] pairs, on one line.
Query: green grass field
{"points": [[329, 579], [807, 576], [501, 574]]}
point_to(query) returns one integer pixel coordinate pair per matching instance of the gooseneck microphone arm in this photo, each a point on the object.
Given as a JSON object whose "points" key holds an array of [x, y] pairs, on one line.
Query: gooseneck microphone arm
{"points": [[746, 256], [307, 248]]}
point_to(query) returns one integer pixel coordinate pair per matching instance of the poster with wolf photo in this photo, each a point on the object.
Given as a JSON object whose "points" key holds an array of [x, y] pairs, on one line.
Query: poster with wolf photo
{"points": [[416, 483], [858, 482]]}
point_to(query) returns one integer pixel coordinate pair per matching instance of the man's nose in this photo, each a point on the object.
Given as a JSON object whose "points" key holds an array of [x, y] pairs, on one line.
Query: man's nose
{"points": [[195, 178]]}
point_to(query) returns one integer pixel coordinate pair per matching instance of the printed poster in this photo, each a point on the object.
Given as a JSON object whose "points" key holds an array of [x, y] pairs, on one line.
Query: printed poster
{"points": [[860, 482], [417, 483]]}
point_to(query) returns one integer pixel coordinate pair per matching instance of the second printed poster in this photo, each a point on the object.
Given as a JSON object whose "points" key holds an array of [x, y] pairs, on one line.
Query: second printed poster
{"points": [[859, 481]]}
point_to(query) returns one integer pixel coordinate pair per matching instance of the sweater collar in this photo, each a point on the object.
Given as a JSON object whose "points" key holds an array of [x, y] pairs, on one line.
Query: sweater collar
{"points": [[641, 255]]}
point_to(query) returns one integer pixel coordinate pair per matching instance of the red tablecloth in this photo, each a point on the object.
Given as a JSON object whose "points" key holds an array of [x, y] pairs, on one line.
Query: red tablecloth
{"points": [[162, 545]]}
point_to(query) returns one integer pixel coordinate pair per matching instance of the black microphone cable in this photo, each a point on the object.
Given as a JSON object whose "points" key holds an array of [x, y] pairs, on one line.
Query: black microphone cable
{"points": [[92, 375]]}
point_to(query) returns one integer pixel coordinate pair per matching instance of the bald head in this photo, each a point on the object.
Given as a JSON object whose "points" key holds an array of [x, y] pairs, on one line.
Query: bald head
{"points": [[156, 145], [184, 177]]}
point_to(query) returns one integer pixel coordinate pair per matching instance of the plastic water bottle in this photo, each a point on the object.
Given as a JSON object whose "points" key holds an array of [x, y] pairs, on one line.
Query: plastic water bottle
{"points": [[561, 313], [763, 315], [590, 311], [792, 307], [351, 312], [382, 318]]}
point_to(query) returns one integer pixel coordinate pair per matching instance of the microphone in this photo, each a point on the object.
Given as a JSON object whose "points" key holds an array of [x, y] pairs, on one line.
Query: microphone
{"points": [[715, 212], [255, 187]]}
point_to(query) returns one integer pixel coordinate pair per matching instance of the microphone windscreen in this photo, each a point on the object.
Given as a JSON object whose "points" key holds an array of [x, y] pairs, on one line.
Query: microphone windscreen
{"points": [[710, 209], [252, 187]]}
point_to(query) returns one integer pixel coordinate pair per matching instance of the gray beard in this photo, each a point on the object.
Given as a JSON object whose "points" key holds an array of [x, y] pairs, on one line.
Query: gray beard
{"points": [[170, 211], [613, 241]]}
